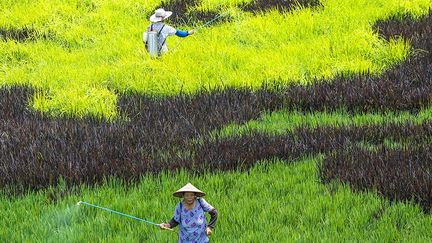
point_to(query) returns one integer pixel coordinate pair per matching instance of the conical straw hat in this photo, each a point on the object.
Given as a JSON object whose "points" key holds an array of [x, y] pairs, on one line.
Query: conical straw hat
{"points": [[188, 188]]}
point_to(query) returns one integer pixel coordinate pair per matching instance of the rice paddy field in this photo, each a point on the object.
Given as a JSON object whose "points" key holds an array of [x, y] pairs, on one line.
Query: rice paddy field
{"points": [[302, 120]]}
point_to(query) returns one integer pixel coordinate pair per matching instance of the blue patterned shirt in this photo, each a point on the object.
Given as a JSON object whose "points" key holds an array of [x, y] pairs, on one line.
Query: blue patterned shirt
{"points": [[192, 223]]}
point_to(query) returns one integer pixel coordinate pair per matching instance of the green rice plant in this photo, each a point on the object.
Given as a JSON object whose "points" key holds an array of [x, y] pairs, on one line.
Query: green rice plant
{"points": [[281, 122], [97, 45], [274, 201], [96, 50], [184, 122]]}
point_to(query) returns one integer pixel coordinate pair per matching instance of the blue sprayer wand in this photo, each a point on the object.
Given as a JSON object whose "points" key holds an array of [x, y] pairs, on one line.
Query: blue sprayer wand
{"points": [[122, 214]]}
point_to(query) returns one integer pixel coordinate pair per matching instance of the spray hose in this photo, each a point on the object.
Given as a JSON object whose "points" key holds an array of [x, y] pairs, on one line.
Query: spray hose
{"points": [[116, 212], [204, 25], [212, 20]]}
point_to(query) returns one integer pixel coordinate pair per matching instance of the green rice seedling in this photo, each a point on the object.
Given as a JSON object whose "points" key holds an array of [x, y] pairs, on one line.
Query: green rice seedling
{"points": [[280, 122], [287, 202], [99, 47]]}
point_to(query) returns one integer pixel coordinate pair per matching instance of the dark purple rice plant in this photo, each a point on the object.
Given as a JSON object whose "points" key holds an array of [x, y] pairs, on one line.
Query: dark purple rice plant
{"points": [[185, 12], [21, 34], [258, 6], [161, 133]]}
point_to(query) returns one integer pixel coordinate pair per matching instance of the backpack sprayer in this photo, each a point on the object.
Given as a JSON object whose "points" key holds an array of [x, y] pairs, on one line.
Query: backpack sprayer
{"points": [[119, 213], [152, 43]]}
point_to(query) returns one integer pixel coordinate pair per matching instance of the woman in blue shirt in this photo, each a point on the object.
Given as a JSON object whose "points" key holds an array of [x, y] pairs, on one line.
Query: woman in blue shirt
{"points": [[189, 215]]}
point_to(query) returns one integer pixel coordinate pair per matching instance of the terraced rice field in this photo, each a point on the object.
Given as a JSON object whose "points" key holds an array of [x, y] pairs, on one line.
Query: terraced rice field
{"points": [[302, 120]]}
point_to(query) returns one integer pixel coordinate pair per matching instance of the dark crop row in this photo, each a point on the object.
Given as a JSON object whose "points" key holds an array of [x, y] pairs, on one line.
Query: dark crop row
{"points": [[400, 173], [407, 87], [258, 6], [244, 151], [21, 34], [397, 174], [86, 152], [14, 103], [35, 151], [185, 11]]}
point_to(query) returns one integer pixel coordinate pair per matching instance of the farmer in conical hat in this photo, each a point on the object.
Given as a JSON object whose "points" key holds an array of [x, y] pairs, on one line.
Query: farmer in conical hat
{"points": [[163, 29], [189, 214]]}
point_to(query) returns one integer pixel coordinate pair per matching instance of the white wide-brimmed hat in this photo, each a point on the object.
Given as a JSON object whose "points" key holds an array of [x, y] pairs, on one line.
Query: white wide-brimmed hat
{"points": [[159, 15], [188, 188]]}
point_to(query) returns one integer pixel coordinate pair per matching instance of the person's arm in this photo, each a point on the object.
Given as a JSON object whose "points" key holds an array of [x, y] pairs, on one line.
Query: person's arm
{"points": [[211, 210], [181, 33], [175, 219], [213, 218], [173, 223], [169, 30]]}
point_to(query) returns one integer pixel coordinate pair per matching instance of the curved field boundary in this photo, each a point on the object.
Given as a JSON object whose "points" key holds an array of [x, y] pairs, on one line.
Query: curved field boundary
{"points": [[161, 133]]}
